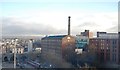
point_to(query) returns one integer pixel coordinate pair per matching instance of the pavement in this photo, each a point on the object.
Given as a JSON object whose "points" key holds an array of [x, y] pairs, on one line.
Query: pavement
{"points": [[7, 65]]}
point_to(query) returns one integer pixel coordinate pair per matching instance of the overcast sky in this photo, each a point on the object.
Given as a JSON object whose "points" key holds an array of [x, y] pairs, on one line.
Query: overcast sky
{"points": [[51, 17]]}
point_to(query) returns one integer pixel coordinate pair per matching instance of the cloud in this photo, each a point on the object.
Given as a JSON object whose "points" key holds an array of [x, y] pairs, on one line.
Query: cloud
{"points": [[92, 26], [11, 27], [55, 22], [88, 24], [113, 29]]}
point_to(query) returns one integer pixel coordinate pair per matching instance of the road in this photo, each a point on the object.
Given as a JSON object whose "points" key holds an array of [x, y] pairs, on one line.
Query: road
{"points": [[10, 65], [28, 65]]}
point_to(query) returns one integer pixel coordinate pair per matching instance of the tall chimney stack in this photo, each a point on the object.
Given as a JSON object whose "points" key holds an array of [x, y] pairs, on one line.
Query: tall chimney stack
{"points": [[69, 25]]}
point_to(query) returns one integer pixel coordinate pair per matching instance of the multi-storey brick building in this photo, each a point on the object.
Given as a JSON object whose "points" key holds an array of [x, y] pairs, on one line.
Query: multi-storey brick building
{"points": [[87, 33], [106, 46], [59, 46]]}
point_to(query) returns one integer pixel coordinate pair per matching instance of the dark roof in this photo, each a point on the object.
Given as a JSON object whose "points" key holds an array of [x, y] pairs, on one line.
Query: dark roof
{"points": [[57, 36]]}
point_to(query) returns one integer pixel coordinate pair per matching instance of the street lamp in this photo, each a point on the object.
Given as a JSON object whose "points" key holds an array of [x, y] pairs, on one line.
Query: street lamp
{"points": [[15, 42]]}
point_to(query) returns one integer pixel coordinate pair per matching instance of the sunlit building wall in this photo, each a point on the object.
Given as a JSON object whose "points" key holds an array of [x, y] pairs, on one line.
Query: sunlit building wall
{"points": [[68, 47]]}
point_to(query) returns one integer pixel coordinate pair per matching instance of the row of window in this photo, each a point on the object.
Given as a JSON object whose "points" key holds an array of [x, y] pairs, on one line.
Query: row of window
{"points": [[114, 58], [83, 40], [107, 41], [54, 45], [114, 50], [52, 40]]}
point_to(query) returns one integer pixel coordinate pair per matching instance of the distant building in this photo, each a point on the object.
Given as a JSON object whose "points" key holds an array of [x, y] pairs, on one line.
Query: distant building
{"points": [[100, 33], [81, 43], [19, 50], [3, 49], [30, 45], [87, 33], [38, 49], [106, 45]]}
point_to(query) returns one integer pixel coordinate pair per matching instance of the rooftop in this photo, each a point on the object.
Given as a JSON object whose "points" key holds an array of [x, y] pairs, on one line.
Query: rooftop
{"points": [[109, 35], [56, 36]]}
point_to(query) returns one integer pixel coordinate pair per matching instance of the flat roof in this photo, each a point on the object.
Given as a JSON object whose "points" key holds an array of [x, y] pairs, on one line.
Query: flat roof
{"points": [[52, 37]]}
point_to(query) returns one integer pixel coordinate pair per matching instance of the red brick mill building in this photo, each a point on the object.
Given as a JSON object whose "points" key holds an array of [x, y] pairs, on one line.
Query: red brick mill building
{"points": [[106, 47], [61, 46]]}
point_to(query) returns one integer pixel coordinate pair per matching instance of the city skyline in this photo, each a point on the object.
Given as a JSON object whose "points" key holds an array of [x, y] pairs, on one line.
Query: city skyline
{"points": [[32, 18]]}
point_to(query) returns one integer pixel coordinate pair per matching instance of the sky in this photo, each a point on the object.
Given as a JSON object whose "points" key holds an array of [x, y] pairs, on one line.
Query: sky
{"points": [[50, 17]]}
